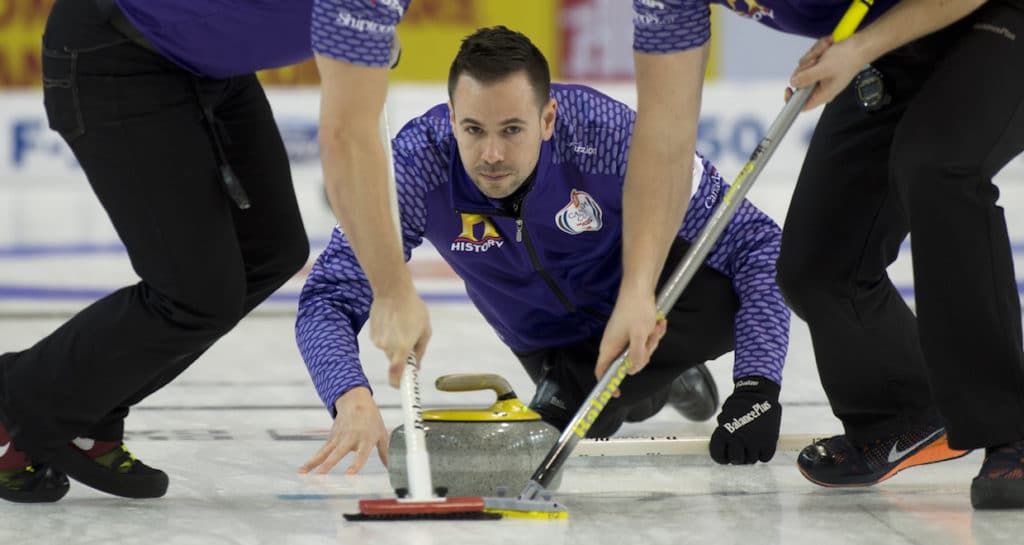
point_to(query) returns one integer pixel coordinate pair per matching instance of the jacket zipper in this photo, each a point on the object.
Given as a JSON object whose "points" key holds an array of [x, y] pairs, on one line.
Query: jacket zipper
{"points": [[523, 235]]}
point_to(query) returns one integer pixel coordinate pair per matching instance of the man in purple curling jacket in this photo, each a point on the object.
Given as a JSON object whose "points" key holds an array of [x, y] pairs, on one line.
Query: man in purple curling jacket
{"points": [[905, 145], [159, 103], [519, 185]]}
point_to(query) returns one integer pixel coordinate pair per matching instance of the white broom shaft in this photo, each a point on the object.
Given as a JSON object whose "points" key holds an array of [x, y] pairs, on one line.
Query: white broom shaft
{"points": [[417, 461], [675, 446], [416, 458]]}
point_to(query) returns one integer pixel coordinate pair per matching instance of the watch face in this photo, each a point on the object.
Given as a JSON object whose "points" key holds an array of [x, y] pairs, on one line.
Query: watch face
{"points": [[871, 89]]}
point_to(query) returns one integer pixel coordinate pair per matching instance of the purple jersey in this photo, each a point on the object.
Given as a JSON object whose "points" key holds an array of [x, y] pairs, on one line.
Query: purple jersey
{"points": [[224, 38], [663, 26], [545, 275]]}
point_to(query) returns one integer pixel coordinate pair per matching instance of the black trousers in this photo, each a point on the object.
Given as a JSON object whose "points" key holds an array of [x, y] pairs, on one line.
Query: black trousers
{"points": [[136, 123], [922, 165], [701, 327]]}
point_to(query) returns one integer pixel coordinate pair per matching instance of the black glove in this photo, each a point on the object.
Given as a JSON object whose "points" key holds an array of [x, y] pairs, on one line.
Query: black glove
{"points": [[748, 426]]}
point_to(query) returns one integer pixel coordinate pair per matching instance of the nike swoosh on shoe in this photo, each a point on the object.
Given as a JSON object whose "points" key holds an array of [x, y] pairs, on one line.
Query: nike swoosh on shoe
{"points": [[896, 454]]}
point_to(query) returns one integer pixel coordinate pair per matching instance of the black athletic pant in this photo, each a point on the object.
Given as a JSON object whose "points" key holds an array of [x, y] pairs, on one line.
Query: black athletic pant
{"points": [[136, 123], [922, 164], [701, 327]]}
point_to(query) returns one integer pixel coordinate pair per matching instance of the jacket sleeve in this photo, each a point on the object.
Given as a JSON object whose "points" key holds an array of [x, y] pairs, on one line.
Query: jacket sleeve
{"points": [[665, 26], [746, 252], [335, 301], [355, 31]]}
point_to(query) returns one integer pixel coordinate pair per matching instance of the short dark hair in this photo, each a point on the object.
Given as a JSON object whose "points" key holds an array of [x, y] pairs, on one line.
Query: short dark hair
{"points": [[495, 53]]}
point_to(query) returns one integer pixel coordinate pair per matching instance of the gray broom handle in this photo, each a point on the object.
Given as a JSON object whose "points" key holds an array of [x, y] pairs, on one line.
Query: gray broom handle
{"points": [[670, 292], [616, 373]]}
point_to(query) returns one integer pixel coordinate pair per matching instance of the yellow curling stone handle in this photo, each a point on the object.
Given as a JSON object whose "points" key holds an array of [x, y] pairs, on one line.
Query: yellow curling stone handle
{"points": [[507, 408]]}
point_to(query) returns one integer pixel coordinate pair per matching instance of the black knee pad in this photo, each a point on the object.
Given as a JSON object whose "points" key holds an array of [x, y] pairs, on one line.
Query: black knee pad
{"points": [[558, 405], [554, 404]]}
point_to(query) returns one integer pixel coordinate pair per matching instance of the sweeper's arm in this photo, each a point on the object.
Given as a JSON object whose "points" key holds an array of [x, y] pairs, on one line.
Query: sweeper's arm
{"points": [[333, 307], [831, 66], [358, 428], [746, 252], [335, 303]]}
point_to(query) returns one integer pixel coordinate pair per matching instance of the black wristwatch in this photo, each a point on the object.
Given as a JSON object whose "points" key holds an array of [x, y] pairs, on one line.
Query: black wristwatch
{"points": [[870, 87]]}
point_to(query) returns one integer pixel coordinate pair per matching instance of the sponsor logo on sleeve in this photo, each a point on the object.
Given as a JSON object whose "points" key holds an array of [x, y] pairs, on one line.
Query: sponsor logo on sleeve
{"points": [[348, 20]]}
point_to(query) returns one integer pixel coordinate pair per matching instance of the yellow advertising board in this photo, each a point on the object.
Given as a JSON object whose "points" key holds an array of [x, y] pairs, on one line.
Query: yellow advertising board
{"points": [[582, 39], [21, 32], [433, 29]]}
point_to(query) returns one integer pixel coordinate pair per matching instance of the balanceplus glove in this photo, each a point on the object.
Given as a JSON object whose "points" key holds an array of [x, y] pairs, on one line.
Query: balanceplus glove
{"points": [[748, 426]]}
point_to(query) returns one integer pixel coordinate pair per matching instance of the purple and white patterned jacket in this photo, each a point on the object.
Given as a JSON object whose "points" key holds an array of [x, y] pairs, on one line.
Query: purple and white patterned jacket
{"points": [[664, 26], [545, 274], [225, 38]]}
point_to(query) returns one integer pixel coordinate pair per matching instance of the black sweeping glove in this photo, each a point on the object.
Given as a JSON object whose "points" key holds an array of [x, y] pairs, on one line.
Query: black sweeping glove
{"points": [[748, 426]]}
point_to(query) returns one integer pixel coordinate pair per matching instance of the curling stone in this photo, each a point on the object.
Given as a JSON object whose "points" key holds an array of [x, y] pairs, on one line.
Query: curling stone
{"points": [[474, 451]]}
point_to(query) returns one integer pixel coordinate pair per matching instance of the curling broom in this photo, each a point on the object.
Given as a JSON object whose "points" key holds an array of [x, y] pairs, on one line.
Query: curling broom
{"points": [[422, 502], [617, 371]]}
